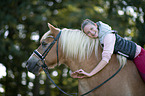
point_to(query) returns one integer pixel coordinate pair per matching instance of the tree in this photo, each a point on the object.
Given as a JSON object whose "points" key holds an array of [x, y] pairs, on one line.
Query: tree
{"points": [[24, 22]]}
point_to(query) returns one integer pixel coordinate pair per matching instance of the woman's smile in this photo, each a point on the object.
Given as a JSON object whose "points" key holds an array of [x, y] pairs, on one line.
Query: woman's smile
{"points": [[91, 30]]}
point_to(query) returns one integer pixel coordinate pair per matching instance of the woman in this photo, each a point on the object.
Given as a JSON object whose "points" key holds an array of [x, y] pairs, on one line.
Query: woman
{"points": [[111, 43]]}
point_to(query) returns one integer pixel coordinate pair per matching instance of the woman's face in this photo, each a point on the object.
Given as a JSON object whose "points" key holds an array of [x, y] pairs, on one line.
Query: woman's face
{"points": [[91, 30]]}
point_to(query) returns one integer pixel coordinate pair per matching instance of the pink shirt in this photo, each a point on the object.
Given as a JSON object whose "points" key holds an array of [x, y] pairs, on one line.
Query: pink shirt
{"points": [[109, 42]]}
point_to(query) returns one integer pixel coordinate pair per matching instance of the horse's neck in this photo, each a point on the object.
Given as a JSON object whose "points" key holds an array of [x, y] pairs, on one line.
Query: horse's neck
{"points": [[87, 64]]}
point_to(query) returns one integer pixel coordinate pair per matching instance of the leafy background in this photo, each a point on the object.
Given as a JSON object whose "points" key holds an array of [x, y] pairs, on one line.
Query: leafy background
{"points": [[23, 22]]}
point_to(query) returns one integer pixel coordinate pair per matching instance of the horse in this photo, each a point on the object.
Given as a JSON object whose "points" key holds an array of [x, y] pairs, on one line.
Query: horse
{"points": [[78, 51]]}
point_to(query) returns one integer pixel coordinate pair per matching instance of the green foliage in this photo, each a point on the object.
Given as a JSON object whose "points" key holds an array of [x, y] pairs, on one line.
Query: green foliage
{"points": [[21, 20]]}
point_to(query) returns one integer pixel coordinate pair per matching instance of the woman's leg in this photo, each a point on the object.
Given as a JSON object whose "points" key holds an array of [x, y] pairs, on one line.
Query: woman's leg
{"points": [[140, 63]]}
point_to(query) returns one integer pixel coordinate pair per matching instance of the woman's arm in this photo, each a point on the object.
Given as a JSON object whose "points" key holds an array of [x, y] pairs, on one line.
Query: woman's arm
{"points": [[98, 68], [108, 49], [81, 73]]}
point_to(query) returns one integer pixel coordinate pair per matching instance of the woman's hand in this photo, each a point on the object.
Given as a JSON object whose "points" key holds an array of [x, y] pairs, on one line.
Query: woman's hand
{"points": [[80, 74]]}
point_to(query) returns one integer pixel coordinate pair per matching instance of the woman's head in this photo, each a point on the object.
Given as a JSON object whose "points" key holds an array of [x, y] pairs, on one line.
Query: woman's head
{"points": [[89, 28]]}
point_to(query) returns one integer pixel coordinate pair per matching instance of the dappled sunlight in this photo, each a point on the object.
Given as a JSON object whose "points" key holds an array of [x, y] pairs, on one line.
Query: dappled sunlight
{"points": [[31, 75], [54, 73], [1, 90], [35, 36], [2, 70]]}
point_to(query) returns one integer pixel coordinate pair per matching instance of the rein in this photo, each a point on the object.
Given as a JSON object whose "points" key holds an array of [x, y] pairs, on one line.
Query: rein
{"points": [[45, 68]]}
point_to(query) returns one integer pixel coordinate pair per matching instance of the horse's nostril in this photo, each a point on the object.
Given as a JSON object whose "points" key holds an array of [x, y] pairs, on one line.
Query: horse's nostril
{"points": [[32, 65]]}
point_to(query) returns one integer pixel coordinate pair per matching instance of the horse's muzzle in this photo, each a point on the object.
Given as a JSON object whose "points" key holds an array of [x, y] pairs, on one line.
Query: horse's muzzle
{"points": [[33, 65]]}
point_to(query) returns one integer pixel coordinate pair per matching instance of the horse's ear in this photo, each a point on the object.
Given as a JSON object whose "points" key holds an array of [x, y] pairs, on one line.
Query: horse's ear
{"points": [[53, 29]]}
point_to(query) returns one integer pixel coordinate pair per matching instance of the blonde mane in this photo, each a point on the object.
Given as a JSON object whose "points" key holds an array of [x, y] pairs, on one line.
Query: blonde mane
{"points": [[76, 44]]}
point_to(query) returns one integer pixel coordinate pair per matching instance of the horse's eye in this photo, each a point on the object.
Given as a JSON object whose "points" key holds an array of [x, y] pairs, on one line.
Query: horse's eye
{"points": [[44, 43]]}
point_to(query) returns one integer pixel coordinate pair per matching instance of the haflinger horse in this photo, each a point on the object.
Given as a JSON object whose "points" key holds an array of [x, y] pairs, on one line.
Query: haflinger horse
{"points": [[78, 51]]}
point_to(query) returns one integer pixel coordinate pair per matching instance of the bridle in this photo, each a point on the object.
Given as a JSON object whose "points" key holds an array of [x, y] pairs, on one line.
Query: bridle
{"points": [[42, 59], [45, 68]]}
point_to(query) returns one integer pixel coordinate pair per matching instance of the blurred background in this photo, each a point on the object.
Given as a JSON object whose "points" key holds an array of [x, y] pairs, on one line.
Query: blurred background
{"points": [[23, 22]]}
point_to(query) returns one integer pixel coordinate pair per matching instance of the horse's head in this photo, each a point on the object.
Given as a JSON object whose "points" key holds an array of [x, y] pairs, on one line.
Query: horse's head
{"points": [[38, 56]]}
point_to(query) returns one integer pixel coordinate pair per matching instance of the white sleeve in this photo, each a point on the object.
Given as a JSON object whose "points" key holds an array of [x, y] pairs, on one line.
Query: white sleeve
{"points": [[109, 43]]}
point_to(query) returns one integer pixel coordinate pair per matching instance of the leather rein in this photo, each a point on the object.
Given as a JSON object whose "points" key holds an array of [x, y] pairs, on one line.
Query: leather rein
{"points": [[45, 68]]}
